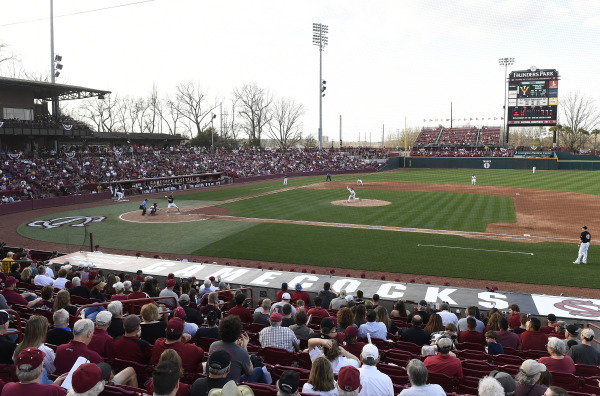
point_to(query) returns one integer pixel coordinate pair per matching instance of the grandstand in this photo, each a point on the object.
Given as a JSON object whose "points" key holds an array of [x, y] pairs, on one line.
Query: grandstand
{"points": [[458, 142], [395, 351]]}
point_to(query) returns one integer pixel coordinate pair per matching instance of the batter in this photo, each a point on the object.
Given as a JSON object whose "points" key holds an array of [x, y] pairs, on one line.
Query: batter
{"points": [[170, 200]]}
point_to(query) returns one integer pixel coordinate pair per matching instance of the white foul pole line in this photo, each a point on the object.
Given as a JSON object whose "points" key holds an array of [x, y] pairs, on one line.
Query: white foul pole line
{"points": [[483, 250]]}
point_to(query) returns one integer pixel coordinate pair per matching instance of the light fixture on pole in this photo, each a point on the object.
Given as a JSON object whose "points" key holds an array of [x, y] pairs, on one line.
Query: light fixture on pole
{"points": [[505, 62], [212, 132], [320, 39]]}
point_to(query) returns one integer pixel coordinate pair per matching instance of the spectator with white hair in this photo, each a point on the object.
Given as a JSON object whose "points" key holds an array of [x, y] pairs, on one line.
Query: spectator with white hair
{"points": [[119, 295], [127, 286], [489, 386], [78, 289], [585, 353], [558, 361], [527, 379], [61, 333], [116, 324], [339, 301], [417, 375], [102, 343], [67, 354], [444, 362]]}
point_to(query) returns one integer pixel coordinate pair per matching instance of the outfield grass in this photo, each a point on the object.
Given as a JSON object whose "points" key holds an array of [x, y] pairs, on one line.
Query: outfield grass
{"points": [[356, 248]]}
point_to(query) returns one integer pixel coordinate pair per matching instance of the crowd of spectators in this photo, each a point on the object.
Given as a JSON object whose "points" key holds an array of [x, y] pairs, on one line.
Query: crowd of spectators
{"points": [[458, 138], [51, 173], [45, 122], [462, 152], [208, 336]]}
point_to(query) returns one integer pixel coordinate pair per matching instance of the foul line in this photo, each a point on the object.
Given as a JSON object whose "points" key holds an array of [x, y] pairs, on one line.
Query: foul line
{"points": [[484, 250]]}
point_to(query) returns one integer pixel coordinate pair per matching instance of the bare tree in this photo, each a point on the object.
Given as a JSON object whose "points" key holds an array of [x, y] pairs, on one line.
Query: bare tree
{"points": [[94, 112], [122, 114], [151, 116], [231, 127], [254, 109], [169, 114], [580, 115], [192, 106], [285, 126]]}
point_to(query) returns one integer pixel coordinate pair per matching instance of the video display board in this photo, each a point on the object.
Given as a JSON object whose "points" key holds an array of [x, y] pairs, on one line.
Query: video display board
{"points": [[533, 97]]}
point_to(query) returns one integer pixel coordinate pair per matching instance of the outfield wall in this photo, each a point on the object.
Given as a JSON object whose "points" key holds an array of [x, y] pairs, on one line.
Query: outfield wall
{"points": [[481, 163]]}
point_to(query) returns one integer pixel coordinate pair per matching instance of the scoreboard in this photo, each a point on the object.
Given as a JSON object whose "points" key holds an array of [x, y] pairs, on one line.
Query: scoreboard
{"points": [[533, 97]]}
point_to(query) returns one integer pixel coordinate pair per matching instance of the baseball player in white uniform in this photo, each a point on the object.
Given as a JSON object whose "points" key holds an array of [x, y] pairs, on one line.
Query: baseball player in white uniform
{"points": [[352, 194], [473, 180], [170, 200], [119, 193], [359, 182], [533, 170], [584, 244], [285, 180]]}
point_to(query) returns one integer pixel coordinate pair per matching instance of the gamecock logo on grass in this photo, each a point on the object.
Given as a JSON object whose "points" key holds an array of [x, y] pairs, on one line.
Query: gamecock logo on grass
{"points": [[73, 221]]}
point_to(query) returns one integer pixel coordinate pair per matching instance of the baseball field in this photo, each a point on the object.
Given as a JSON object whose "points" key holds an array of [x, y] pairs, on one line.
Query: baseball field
{"points": [[512, 226]]}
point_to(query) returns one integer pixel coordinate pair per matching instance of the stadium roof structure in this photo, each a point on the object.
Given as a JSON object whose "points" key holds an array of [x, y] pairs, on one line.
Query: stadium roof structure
{"points": [[47, 91]]}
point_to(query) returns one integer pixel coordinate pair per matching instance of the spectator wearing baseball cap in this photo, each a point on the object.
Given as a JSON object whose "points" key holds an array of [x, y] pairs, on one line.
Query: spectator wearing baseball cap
{"points": [[67, 354], [585, 353], [218, 367], [506, 380], [285, 299], [417, 375], [352, 344], [277, 336], [130, 346], [284, 289], [137, 293], [288, 384], [349, 381], [188, 328], [373, 381], [168, 292], [89, 379], [443, 362], [571, 336], [527, 378], [300, 294], [550, 324], [29, 368], [191, 355], [13, 297], [103, 343]]}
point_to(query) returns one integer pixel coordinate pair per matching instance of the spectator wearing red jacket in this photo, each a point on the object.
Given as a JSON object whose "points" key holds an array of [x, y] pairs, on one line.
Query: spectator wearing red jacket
{"points": [[514, 320], [102, 342], [300, 295], [443, 362], [130, 346], [533, 338], [471, 335], [241, 311], [284, 289], [191, 355]]}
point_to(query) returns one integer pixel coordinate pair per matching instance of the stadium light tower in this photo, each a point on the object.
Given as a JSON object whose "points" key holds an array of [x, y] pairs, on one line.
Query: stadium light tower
{"points": [[505, 62], [320, 39]]}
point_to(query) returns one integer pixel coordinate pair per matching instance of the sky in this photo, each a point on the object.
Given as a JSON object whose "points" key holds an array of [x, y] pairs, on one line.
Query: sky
{"points": [[388, 62]]}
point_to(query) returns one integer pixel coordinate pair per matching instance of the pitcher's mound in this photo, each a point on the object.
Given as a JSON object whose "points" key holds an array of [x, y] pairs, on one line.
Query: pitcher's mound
{"points": [[361, 202]]}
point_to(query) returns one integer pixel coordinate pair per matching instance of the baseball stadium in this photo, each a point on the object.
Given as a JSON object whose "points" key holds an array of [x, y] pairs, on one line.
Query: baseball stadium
{"points": [[165, 245]]}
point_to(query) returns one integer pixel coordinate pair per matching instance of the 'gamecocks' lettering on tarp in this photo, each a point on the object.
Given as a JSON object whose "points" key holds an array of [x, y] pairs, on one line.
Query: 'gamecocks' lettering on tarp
{"points": [[73, 221], [584, 308]]}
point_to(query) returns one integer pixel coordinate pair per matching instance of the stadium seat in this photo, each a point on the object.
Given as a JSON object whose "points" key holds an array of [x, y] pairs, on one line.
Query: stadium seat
{"points": [[506, 359], [8, 373], [446, 382], [586, 370], [261, 389], [203, 342], [566, 381], [406, 346], [277, 356], [396, 373], [532, 354], [143, 371], [470, 346]]}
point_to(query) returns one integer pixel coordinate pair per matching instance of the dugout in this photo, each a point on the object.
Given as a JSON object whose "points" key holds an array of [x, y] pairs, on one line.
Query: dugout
{"points": [[481, 163]]}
